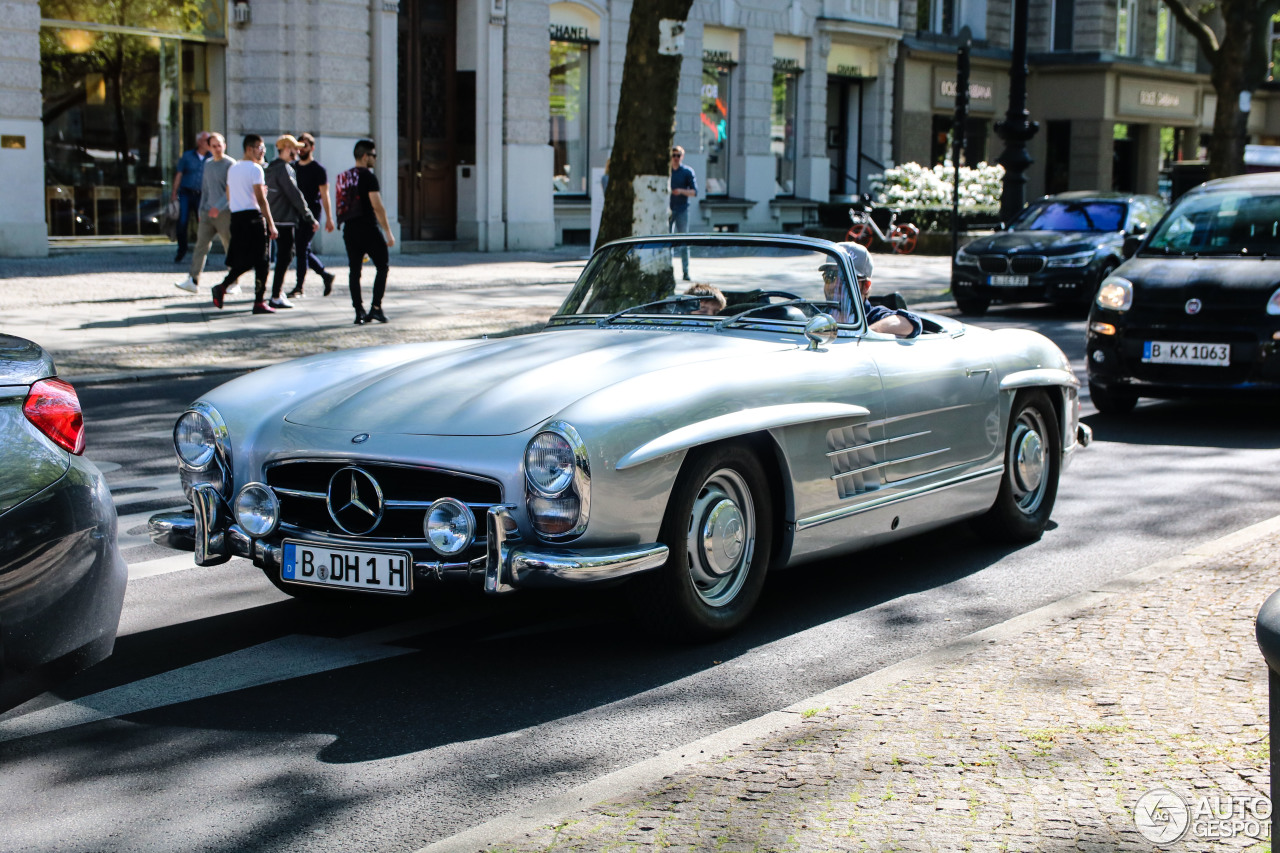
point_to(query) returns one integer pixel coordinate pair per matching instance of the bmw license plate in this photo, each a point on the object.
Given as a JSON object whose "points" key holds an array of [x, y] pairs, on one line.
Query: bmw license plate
{"points": [[1008, 280], [1177, 352], [368, 571]]}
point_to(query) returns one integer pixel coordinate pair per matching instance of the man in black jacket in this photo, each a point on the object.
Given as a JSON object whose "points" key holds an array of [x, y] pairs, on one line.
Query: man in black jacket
{"points": [[289, 210]]}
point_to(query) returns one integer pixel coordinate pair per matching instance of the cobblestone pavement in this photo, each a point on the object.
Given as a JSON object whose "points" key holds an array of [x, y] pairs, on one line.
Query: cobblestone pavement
{"points": [[1043, 740], [113, 311]]}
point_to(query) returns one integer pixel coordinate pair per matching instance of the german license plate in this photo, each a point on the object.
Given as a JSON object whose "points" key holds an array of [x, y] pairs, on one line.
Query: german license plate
{"points": [[1008, 280], [1178, 352], [347, 568]]}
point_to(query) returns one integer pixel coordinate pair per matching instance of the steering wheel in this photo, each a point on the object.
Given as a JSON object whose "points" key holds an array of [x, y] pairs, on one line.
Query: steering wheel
{"points": [[784, 294]]}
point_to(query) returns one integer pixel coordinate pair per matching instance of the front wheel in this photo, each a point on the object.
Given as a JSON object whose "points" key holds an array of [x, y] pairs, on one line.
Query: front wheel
{"points": [[719, 530], [972, 306], [860, 233], [1032, 463]]}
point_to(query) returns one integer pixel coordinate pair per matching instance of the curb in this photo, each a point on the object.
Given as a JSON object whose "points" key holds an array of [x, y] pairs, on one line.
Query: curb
{"points": [[651, 771]]}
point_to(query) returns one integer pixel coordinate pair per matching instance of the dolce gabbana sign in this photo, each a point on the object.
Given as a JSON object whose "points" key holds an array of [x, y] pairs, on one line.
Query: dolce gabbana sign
{"points": [[1156, 99], [982, 91]]}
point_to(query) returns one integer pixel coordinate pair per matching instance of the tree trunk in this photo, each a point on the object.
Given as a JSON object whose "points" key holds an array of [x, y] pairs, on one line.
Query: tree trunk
{"points": [[635, 201], [1230, 78]]}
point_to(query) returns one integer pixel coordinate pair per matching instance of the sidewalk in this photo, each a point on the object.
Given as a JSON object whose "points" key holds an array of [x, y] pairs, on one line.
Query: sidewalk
{"points": [[1037, 734], [116, 312]]}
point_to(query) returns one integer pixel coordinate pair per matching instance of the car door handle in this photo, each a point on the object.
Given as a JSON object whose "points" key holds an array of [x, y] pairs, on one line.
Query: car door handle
{"points": [[974, 371]]}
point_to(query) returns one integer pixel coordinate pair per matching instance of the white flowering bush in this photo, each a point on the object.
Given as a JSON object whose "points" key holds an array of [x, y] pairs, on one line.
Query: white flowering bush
{"points": [[914, 186]]}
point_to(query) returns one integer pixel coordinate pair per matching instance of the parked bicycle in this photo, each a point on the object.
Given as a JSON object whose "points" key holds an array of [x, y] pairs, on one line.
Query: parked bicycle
{"points": [[864, 230]]}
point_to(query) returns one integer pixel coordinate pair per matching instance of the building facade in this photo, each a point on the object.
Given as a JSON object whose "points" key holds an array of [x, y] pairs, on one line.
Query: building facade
{"points": [[495, 118]]}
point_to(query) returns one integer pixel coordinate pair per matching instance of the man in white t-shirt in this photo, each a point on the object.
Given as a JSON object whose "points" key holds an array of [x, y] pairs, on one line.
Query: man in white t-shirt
{"points": [[252, 227]]}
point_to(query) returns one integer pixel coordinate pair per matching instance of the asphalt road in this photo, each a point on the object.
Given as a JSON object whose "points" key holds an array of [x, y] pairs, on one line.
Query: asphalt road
{"points": [[232, 718]]}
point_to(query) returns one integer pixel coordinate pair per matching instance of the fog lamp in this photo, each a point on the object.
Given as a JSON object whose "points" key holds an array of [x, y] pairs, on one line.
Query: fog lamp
{"points": [[257, 510], [450, 527], [1099, 356]]}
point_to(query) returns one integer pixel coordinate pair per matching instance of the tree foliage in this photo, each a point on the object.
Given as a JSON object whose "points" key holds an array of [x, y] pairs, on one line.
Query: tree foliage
{"points": [[1235, 38]]}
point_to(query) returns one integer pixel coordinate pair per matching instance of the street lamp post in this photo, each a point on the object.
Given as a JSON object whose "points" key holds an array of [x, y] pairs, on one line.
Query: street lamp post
{"points": [[1017, 128]]}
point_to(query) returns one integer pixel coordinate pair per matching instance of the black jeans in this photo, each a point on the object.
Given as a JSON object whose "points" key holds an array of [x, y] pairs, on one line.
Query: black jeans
{"points": [[188, 208], [360, 240], [286, 236], [248, 251], [306, 257]]}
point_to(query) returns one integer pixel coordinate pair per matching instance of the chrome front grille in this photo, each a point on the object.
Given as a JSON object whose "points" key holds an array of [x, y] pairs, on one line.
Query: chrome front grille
{"points": [[407, 491]]}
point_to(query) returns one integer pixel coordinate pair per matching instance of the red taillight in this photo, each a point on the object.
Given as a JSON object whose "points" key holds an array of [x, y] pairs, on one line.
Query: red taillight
{"points": [[52, 405]]}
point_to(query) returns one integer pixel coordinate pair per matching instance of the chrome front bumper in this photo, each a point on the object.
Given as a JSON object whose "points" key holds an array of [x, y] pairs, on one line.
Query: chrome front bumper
{"points": [[208, 530]]}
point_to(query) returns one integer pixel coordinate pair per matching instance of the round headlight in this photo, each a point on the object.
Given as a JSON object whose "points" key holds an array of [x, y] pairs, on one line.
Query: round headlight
{"points": [[548, 463], [257, 509], [1116, 293], [450, 527], [193, 438]]}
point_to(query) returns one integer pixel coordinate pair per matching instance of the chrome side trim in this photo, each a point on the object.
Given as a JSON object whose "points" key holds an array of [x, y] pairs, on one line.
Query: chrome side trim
{"points": [[875, 465], [853, 447], [568, 568], [735, 424], [1041, 377], [888, 500]]}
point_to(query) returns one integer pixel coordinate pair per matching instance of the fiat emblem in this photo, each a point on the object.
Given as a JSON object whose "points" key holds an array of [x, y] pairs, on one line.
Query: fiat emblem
{"points": [[1193, 306], [360, 438]]}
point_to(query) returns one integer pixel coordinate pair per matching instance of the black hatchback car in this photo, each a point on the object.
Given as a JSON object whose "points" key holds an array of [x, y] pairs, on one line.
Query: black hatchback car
{"points": [[1059, 249], [1197, 308]]}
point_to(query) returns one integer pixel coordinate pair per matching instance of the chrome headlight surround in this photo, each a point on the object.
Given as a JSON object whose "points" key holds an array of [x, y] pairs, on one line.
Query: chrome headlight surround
{"points": [[1115, 293], [1072, 261], [449, 526], [212, 467], [559, 506], [1273, 304], [964, 259], [257, 510]]}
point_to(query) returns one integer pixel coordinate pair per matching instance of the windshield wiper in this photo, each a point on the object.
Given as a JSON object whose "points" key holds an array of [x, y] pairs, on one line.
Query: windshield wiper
{"points": [[670, 300]]}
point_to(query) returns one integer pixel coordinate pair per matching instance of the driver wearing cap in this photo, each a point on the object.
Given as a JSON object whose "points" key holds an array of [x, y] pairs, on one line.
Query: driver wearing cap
{"points": [[889, 321]]}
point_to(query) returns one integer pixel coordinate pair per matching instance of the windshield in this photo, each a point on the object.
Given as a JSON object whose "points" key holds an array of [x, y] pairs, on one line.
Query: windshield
{"points": [[1071, 216], [756, 282], [1220, 223]]}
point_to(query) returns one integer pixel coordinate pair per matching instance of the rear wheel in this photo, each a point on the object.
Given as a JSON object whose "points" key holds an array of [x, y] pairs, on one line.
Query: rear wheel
{"points": [[904, 239], [1032, 463], [1112, 402], [719, 530]]}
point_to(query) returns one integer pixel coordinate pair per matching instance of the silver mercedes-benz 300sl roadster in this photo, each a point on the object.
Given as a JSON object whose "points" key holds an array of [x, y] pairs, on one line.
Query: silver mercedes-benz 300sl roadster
{"points": [[685, 442]]}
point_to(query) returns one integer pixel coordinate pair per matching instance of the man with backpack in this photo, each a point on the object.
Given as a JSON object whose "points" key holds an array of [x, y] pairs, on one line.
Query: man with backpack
{"points": [[360, 213]]}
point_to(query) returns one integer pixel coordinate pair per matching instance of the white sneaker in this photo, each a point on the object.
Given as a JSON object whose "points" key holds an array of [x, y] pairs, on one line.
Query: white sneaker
{"points": [[234, 288], [190, 285], [280, 302]]}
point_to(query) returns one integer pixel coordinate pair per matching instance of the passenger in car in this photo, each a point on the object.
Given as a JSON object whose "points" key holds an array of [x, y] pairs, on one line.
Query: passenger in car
{"points": [[888, 321], [713, 300]]}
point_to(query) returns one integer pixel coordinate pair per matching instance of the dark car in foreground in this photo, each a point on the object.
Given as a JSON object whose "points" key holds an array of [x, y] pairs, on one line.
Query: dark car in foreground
{"points": [[1196, 310], [1059, 249], [62, 577]]}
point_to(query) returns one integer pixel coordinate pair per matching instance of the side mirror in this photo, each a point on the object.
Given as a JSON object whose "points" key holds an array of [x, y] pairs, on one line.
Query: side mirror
{"points": [[1131, 244], [820, 330], [1138, 229]]}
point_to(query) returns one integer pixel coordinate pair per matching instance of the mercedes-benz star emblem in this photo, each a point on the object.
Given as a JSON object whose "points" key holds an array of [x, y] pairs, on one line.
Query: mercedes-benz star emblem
{"points": [[354, 500], [1193, 306]]}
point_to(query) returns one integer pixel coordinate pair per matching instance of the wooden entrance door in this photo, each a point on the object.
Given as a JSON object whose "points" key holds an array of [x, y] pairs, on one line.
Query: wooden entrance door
{"points": [[428, 118]]}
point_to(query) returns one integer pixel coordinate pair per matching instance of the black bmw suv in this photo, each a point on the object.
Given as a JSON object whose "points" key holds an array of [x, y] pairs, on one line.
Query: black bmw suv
{"points": [[1059, 249], [1197, 308]]}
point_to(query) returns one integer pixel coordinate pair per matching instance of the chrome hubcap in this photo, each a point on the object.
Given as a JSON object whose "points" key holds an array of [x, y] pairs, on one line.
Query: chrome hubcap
{"points": [[1027, 461], [721, 537]]}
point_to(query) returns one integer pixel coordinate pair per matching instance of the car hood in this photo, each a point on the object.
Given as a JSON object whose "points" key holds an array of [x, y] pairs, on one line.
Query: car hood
{"points": [[505, 386], [1041, 242], [1212, 273]]}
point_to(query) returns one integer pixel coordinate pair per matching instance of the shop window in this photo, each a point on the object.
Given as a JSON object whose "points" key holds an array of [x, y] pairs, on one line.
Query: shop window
{"points": [[1166, 28], [1126, 27], [569, 107], [782, 135], [112, 129], [975, 140], [948, 16], [191, 17], [714, 130]]}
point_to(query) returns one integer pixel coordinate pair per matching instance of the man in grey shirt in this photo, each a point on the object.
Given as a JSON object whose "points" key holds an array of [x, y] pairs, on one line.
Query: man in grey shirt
{"points": [[215, 219]]}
